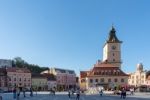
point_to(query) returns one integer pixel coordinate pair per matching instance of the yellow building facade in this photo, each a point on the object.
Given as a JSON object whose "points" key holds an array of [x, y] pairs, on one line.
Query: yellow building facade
{"points": [[39, 82]]}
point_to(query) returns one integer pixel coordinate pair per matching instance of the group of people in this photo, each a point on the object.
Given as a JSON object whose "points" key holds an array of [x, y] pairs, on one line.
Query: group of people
{"points": [[17, 90], [123, 93], [52, 91], [71, 92]]}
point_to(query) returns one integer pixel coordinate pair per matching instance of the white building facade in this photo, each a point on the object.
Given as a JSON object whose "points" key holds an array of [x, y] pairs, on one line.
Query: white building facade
{"points": [[138, 78]]}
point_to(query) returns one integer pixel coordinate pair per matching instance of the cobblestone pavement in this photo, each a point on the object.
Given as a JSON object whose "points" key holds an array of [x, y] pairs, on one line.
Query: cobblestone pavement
{"points": [[64, 96]]}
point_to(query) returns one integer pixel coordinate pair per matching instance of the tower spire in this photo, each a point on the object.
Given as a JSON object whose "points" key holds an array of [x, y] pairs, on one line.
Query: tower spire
{"points": [[112, 36]]}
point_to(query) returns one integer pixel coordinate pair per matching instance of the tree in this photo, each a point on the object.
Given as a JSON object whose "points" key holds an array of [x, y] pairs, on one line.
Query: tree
{"points": [[20, 63]]}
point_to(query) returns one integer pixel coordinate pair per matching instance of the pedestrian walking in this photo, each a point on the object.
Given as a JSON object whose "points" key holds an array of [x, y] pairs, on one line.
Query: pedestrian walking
{"points": [[69, 93], [53, 91], [1, 97], [24, 92], [36, 91], [31, 92], [78, 95], [18, 93], [132, 91], [101, 92], [14, 93], [123, 93]]}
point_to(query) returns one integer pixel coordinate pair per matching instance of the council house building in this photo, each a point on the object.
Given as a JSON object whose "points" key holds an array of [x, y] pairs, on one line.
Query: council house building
{"points": [[106, 73]]}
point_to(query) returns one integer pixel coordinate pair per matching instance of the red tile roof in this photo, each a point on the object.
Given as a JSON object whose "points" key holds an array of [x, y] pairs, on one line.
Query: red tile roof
{"points": [[38, 76], [50, 77], [3, 71], [148, 78], [113, 71], [83, 74], [19, 70]]}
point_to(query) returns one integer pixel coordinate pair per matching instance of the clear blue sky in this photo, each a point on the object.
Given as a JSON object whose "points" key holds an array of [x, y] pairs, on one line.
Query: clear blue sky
{"points": [[71, 33]]}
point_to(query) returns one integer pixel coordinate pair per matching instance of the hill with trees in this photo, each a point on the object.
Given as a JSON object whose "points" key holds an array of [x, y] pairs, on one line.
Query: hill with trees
{"points": [[20, 63]]}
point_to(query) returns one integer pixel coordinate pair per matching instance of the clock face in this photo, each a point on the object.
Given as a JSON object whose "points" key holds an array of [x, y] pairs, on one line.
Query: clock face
{"points": [[113, 47]]}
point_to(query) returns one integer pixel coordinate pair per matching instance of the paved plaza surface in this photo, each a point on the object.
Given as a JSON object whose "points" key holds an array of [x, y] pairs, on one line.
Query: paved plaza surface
{"points": [[64, 96]]}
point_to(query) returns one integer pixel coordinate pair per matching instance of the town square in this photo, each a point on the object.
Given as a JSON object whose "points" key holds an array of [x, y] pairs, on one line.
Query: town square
{"points": [[74, 50], [63, 96]]}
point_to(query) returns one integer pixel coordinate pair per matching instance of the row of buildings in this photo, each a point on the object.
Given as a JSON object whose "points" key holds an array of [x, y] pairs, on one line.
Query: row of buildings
{"points": [[60, 79], [108, 73]]}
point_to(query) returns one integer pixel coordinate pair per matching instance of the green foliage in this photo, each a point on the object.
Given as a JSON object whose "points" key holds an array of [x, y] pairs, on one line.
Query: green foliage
{"points": [[20, 63]]}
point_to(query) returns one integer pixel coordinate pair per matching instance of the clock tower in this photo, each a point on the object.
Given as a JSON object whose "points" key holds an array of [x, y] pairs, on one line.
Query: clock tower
{"points": [[112, 49]]}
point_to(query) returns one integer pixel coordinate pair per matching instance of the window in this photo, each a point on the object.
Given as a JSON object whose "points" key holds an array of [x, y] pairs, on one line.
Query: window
{"points": [[20, 79], [109, 80], [102, 80], [113, 59], [122, 80], [99, 73], [132, 82], [9, 84], [96, 80], [142, 81], [115, 80], [91, 80], [113, 54], [106, 73], [14, 79]]}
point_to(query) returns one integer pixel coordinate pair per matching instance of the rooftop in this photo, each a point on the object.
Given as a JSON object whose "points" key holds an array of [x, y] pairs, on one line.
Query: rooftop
{"points": [[18, 70]]}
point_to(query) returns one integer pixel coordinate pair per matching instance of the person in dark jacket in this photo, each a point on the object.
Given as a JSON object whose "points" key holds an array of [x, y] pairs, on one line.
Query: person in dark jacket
{"points": [[69, 94], [101, 92], [14, 93], [123, 93], [24, 92], [78, 95], [31, 92]]}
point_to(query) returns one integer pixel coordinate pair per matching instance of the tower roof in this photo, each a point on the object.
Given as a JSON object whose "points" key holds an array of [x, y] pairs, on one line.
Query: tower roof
{"points": [[112, 36]]}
